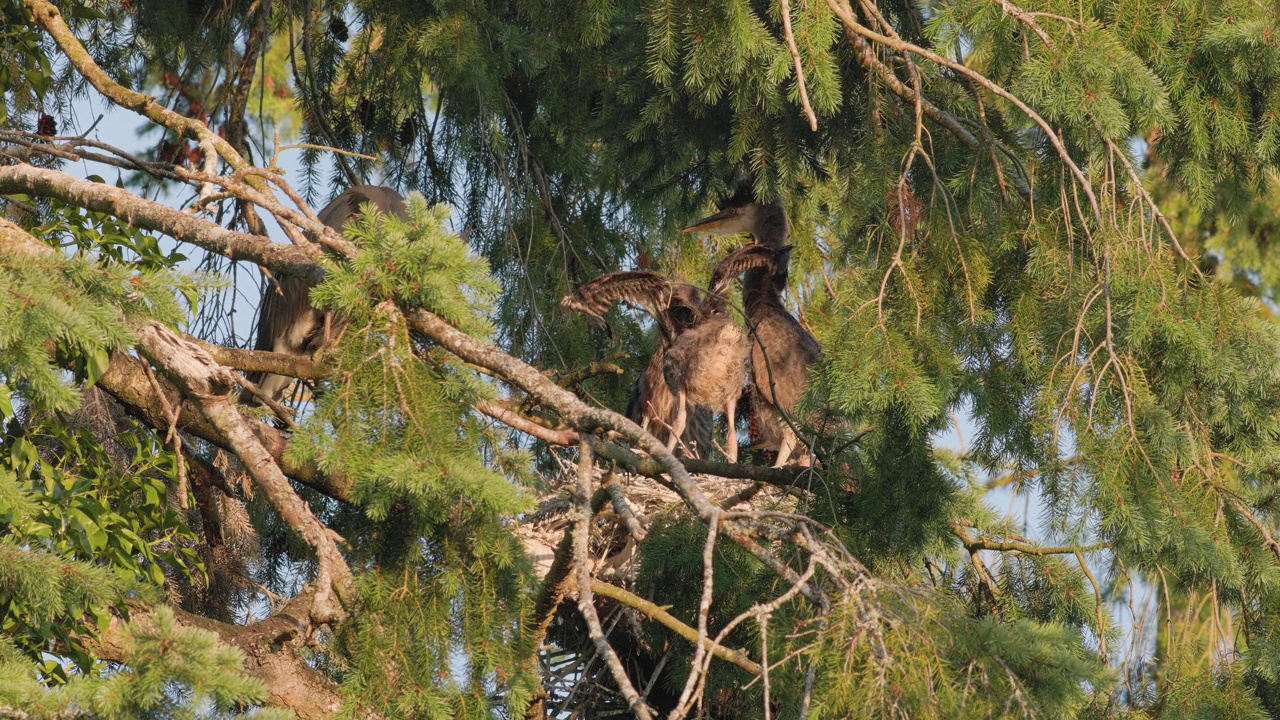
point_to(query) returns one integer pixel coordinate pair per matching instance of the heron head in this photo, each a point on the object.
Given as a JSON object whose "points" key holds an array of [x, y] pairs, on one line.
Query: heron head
{"points": [[742, 213]]}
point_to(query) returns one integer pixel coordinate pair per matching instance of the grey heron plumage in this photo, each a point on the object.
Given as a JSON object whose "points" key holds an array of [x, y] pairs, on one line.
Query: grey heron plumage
{"points": [[287, 321], [783, 352]]}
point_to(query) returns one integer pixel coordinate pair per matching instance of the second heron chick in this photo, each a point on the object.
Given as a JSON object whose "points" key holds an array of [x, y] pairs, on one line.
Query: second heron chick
{"points": [[703, 354]]}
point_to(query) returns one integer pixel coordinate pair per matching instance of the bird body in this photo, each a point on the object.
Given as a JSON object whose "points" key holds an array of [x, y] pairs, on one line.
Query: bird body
{"points": [[653, 407], [706, 367], [783, 352], [287, 321], [701, 363], [782, 356]]}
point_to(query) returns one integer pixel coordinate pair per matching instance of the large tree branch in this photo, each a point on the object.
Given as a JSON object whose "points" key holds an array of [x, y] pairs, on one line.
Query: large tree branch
{"points": [[209, 386], [151, 215], [270, 647], [127, 382], [200, 232]]}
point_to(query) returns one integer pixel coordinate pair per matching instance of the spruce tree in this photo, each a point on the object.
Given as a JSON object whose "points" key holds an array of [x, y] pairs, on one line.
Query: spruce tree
{"points": [[1046, 224]]}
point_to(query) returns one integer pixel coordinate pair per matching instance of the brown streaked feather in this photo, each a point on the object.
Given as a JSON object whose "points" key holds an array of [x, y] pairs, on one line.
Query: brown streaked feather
{"points": [[741, 260], [673, 305], [648, 290], [651, 398]]}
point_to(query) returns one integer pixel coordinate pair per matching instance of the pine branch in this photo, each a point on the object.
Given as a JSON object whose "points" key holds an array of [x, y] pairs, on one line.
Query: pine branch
{"points": [[845, 13], [976, 542], [790, 38], [271, 646]]}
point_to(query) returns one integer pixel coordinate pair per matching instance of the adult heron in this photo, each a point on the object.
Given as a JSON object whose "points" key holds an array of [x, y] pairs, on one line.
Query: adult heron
{"points": [[287, 321]]}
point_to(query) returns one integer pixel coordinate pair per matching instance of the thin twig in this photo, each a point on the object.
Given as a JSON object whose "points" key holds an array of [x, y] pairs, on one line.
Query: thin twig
{"points": [[795, 58], [172, 436]]}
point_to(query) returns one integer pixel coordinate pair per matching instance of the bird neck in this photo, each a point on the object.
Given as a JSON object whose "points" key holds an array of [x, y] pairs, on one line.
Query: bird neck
{"points": [[771, 230], [758, 284], [762, 287]]}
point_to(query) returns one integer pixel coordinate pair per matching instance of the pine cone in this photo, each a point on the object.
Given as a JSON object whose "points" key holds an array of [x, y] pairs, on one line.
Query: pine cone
{"points": [[47, 126], [408, 130], [338, 29], [366, 113]]}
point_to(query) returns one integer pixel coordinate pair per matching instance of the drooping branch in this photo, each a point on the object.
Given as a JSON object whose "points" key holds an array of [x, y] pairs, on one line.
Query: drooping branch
{"points": [[843, 11], [867, 58]]}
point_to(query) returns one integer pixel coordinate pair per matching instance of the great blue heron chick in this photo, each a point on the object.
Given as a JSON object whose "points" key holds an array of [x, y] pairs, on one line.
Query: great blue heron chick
{"points": [[287, 322], [701, 360], [783, 352]]}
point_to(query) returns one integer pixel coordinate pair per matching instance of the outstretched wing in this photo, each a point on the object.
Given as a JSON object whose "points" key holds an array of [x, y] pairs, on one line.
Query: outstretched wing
{"points": [[650, 291], [673, 305], [740, 261]]}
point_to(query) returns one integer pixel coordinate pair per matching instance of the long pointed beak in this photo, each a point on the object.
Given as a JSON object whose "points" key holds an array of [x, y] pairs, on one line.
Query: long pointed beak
{"points": [[710, 223]]}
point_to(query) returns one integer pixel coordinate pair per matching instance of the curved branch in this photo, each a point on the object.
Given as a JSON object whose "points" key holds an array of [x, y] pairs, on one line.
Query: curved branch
{"points": [[846, 16], [209, 386], [47, 15]]}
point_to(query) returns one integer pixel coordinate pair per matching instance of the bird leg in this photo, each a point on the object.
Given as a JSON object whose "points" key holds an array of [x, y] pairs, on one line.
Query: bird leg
{"points": [[731, 440], [677, 426], [785, 447]]}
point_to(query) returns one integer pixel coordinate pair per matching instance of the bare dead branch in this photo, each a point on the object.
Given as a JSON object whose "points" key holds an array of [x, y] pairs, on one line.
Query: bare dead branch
{"points": [[150, 215], [674, 624], [790, 37], [47, 15]]}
